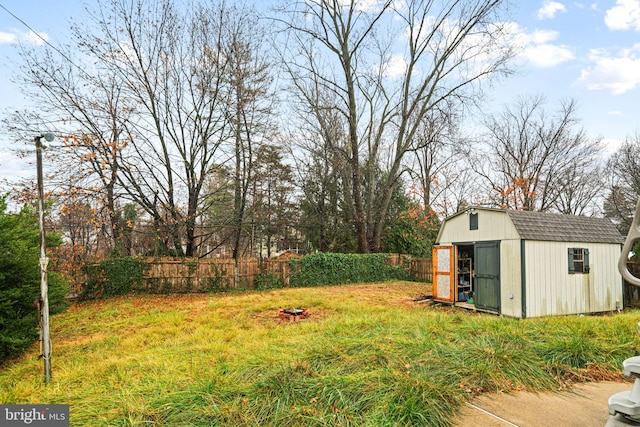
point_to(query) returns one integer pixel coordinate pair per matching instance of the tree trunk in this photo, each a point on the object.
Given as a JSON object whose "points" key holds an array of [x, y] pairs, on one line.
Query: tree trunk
{"points": [[356, 174]]}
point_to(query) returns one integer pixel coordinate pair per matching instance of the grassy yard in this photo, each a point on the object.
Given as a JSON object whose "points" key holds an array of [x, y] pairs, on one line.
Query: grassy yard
{"points": [[367, 355]]}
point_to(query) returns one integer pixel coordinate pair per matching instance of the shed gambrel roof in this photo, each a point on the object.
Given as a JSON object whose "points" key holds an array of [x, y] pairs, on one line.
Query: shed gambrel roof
{"points": [[564, 228]]}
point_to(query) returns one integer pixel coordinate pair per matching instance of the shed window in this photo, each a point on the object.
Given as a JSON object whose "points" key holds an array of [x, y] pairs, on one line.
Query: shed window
{"points": [[578, 260], [473, 221]]}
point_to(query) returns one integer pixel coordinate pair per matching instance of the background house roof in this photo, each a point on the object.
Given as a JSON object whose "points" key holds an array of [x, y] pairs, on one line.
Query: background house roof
{"points": [[564, 228]]}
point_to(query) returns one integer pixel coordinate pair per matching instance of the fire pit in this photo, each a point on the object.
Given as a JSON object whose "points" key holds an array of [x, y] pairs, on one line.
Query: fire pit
{"points": [[293, 314]]}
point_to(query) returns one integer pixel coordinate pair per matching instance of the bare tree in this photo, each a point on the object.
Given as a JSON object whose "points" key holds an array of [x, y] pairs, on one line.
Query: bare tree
{"points": [[318, 151], [438, 163], [319, 147], [165, 96], [450, 46], [580, 188], [90, 112], [624, 183], [535, 160], [174, 67]]}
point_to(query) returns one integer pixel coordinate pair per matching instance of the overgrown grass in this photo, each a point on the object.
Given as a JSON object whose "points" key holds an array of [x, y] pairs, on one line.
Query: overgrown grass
{"points": [[368, 355]]}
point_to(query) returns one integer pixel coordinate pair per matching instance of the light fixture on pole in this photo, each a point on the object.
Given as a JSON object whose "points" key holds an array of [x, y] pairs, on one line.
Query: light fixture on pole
{"points": [[44, 261]]}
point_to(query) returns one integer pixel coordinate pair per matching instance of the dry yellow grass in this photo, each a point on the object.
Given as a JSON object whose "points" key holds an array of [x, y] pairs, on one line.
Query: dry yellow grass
{"points": [[368, 354]]}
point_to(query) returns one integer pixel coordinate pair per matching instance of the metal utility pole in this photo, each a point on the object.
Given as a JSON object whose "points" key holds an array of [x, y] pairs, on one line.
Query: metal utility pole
{"points": [[44, 261]]}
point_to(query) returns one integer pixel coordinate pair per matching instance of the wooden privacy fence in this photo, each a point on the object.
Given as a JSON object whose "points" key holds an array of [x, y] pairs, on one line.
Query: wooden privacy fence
{"points": [[202, 275], [632, 293], [421, 269], [205, 275]]}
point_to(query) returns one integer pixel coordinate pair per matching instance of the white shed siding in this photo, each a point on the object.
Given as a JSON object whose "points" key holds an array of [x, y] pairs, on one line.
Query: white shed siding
{"points": [[510, 279], [552, 290], [603, 260], [492, 225]]}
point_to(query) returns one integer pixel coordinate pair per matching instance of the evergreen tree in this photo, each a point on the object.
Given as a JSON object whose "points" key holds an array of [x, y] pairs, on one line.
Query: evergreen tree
{"points": [[20, 280]]}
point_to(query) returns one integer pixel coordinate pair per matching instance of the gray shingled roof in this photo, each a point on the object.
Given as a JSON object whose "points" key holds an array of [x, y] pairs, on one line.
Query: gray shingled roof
{"points": [[564, 228]]}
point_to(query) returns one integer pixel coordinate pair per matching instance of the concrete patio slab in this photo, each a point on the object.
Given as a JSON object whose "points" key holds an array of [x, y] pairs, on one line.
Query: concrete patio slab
{"points": [[586, 405]]}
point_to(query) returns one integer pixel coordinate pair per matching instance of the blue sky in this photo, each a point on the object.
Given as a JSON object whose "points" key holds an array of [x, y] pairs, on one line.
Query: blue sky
{"points": [[585, 50], [589, 51]]}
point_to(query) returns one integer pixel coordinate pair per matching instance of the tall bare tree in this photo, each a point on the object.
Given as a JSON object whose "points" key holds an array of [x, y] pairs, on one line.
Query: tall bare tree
{"points": [[581, 188], [319, 148], [534, 159], [383, 93], [624, 183], [90, 112], [438, 165], [173, 66], [161, 100]]}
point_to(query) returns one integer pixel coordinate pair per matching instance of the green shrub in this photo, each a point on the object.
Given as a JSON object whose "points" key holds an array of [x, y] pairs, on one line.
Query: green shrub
{"points": [[269, 280], [20, 280], [114, 277], [216, 282], [332, 269]]}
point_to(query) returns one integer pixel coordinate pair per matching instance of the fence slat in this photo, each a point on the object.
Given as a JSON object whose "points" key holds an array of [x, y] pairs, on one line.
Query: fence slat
{"points": [[632, 293], [421, 269]]}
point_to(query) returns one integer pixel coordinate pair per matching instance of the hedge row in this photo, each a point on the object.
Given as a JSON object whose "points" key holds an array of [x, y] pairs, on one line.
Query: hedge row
{"points": [[334, 269], [113, 277]]}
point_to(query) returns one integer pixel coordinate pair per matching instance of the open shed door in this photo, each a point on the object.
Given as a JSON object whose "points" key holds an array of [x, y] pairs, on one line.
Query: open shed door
{"points": [[488, 276], [443, 273]]}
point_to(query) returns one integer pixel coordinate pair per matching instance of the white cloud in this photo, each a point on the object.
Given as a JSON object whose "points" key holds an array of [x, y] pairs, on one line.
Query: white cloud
{"points": [[542, 36], [615, 74], [399, 5], [13, 167], [549, 9], [395, 66], [615, 113], [547, 55], [361, 5], [536, 48], [36, 39], [624, 15], [8, 38], [15, 36], [611, 145], [368, 5]]}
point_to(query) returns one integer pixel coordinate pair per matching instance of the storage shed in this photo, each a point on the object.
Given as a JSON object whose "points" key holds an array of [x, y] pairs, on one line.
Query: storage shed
{"points": [[527, 264]]}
